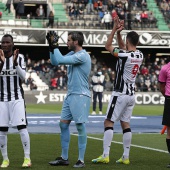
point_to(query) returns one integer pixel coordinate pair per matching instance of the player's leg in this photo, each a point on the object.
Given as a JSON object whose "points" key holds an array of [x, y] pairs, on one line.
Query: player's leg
{"points": [[82, 142], [127, 137], [80, 116], [112, 115], [18, 119], [65, 139], [4, 122], [100, 95], [3, 146], [94, 102], [25, 139], [107, 138], [125, 123], [66, 118], [166, 121]]}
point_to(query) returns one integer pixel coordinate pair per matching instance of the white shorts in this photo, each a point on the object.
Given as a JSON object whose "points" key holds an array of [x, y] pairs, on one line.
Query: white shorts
{"points": [[120, 107], [12, 113]]}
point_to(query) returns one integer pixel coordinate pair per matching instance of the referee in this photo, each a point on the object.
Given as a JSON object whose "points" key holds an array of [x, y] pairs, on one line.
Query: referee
{"points": [[164, 86]]}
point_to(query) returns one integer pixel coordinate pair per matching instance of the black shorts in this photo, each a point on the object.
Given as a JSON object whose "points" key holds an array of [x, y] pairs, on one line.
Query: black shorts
{"points": [[166, 114]]}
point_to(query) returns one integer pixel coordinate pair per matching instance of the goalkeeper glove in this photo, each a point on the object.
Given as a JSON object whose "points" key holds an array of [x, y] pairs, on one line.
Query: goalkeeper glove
{"points": [[52, 39]]}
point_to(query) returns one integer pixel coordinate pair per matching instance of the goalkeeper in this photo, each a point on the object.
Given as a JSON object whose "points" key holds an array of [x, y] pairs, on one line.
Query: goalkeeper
{"points": [[77, 101]]}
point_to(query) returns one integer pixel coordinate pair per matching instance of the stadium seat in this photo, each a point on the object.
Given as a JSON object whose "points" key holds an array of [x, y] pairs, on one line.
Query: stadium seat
{"points": [[4, 22], [11, 22], [18, 23]]}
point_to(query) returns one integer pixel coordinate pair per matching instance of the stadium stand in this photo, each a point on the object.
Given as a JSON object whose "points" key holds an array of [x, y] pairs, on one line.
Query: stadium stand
{"points": [[161, 23], [41, 86], [90, 20]]}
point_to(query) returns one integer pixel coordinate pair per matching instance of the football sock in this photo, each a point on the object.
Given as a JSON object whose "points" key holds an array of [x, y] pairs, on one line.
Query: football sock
{"points": [[3, 144], [168, 144], [107, 139], [65, 139], [82, 140], [25, 139], [127, 137]]}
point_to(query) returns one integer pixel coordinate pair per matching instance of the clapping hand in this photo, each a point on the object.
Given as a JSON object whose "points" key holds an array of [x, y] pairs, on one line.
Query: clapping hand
{"points": [[16, 52], [118, 24], [52, 39], [2, 57]]}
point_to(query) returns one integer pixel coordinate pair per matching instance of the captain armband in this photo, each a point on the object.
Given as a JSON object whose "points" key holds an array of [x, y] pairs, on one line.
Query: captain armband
{"points": [[115, 52]]}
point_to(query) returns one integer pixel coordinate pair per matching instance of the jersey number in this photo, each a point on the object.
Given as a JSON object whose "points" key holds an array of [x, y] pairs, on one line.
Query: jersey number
{"points": [[135, 70]]}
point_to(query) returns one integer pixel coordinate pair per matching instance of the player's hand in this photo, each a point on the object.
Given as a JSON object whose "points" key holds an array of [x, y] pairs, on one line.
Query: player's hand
{"points": [[2, 57], [52, 39], [16, 52], [116, 22], [120, 26]]}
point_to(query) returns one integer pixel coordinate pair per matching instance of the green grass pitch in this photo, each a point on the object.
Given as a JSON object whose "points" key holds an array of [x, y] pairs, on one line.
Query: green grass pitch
{"points": [[46, 147], [148, 151], [139, 110]]}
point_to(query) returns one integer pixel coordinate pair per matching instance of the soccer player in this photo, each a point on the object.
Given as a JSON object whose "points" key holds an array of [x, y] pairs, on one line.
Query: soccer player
{"points": [[164, 86], [77, 102], [12, 105], [122, 99]]}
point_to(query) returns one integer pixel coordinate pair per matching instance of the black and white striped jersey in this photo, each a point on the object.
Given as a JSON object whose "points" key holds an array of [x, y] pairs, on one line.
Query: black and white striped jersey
{"points": [[10, 79], [127, 67]]}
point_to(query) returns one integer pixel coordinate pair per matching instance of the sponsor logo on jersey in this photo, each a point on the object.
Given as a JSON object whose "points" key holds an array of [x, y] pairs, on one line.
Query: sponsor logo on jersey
{"points": [[8, 73]]}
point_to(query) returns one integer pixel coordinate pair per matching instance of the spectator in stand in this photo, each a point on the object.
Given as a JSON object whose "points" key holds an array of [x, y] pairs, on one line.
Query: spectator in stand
{"points": [[84, 2], [164, 7], [137, 19], [40, 12], [143, 87], [143, 5], [154, 82], [71, 10], [50, 19], [114, 14], [118, 3], [61, 83], [20, 9], [30, 70], [107, 19], [105, 5], [110, 6], [8, 6], [90, 8], [30, 82], [152, 20], [98, 81], [126, 6], [148, 82], [144, 70], [101, 15], [122, 15], [0, 14], [37, 68], [129, 20], [45, 69], [144, 19], [98, 5], [54, 83], [119, 8], [80, 10]]}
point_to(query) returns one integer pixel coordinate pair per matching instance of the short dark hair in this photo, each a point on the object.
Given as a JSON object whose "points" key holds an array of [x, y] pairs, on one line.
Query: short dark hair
{"points": [[8, 35], [133, 38], [77, 36]]}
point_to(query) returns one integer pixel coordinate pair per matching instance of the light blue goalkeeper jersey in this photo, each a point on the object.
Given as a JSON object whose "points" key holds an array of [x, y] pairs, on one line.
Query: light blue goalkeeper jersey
{"points": [[78, 70]]}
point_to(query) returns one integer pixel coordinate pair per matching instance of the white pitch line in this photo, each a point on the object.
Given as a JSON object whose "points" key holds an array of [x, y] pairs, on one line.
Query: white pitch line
{"points": [[57, 117], [136, 146], [43, 117], [133, 117]]}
